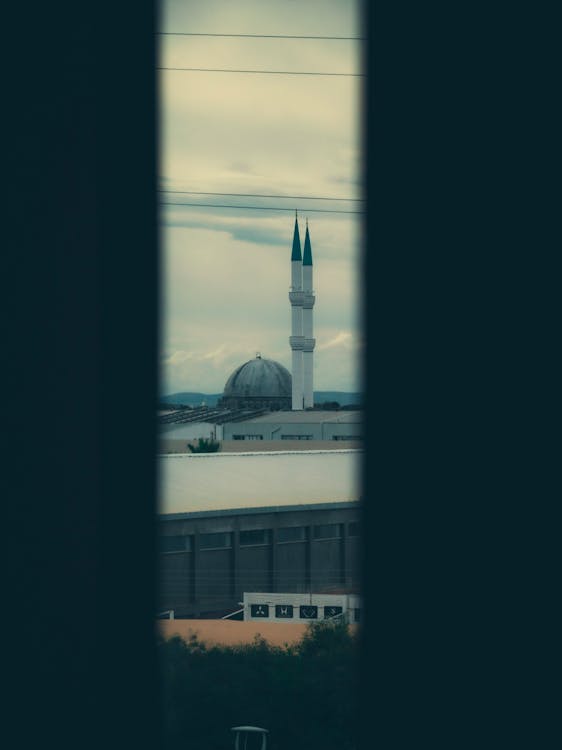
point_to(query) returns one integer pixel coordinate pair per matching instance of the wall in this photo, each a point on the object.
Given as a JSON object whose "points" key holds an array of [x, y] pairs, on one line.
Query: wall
{"points": [[189, 431], [197, 580], [321, 430]]}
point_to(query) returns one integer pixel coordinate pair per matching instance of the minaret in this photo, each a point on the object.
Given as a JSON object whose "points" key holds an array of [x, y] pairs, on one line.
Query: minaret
{"points": [[296, 340], [308, 300]]}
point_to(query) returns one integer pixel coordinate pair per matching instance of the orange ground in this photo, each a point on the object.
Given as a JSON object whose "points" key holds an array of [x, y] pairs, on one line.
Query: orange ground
{"points": [[233, 632]]}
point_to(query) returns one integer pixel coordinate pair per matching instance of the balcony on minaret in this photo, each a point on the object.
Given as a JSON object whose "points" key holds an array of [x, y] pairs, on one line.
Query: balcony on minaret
{"points": [[308, 345], [296, 342], [308, 300], [296, 297]]}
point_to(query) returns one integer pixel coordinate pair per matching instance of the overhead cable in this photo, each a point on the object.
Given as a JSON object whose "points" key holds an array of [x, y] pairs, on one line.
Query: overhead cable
{"points": [[262, 36], [261, 195], [264, 72], [261, 208]]}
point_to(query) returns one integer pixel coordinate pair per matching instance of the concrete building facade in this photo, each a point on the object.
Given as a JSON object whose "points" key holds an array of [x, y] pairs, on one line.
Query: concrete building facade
{"points": [[208, 563], [233, 524], [314, 425]]}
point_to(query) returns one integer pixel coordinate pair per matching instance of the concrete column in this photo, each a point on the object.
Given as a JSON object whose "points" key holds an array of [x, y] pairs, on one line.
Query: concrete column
{"points": [[191, 582], [273, 559], [309, 342], [308, 377], [196, 565], [235, 562], [297, 401], [296, 341], [344, 568], [308, 560]]}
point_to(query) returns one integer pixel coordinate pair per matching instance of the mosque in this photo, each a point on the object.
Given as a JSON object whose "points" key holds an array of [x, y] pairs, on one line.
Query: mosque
{"points": [[266, 384], [258, 384], [262, 400]]}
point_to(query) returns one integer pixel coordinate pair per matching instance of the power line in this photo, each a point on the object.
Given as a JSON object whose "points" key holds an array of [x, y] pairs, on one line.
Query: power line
{"points": [[264, 72], [261, 208], [262, 36], [261, 195]]}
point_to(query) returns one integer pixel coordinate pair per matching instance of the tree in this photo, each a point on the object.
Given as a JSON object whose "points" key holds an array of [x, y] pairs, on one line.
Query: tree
{"points": [[304, 694], [205, 445]]}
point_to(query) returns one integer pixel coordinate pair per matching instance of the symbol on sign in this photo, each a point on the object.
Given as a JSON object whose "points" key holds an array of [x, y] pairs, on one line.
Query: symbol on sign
{"points": [[309, 613], [284, 610], [332, 611], [259, 610]]}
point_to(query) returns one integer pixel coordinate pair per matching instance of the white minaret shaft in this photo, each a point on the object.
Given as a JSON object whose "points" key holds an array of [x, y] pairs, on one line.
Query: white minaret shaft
{"points": [[309, 342], [296, 340]]}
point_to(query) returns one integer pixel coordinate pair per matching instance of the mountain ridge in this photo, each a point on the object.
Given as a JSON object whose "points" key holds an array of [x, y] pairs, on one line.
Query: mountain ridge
{"points": [[194, 398]]}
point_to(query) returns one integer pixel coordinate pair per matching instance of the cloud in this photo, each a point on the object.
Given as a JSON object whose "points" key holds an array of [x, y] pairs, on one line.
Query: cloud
{"points": [[226, 271], [333, 236], [217, 356], [257, 232], [178, 357], [343, 339]]}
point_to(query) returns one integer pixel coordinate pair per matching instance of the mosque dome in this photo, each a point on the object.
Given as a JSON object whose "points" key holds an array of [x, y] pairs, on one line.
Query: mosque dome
{"points": [[259, 383]]}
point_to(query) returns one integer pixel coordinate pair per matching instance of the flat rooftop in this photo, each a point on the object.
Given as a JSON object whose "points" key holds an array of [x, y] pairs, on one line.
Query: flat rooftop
{"points": [[178, 445], [221, 483], [311, 417]]}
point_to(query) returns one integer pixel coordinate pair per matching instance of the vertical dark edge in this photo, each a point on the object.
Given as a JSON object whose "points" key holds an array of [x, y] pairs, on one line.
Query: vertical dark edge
{"points": [[80, 275], [457, 118], [129, 287], [365, 677], [56, 664]]}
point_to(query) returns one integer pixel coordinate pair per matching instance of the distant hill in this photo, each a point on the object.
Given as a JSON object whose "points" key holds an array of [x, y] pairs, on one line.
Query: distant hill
{"points": [[196, 399], [191, 399], [342, 397]]}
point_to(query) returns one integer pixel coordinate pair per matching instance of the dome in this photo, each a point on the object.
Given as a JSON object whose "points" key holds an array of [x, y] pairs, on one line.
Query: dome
{"points": [[260, 383]]}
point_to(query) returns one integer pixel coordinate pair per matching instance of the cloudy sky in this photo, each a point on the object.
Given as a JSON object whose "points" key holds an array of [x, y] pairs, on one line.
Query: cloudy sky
{"points": [[226, 272]]}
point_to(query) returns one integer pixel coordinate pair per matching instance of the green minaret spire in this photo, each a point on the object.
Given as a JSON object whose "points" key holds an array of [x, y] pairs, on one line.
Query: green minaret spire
{"points": [[307, 257], [296, 254]]}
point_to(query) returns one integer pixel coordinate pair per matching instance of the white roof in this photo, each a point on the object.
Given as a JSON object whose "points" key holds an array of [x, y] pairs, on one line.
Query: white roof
{"points": [[308, 417], [215, 482]]}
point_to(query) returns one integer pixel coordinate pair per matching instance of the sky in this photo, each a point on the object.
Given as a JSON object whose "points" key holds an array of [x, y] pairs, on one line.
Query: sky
{"points": [[226, 271]]}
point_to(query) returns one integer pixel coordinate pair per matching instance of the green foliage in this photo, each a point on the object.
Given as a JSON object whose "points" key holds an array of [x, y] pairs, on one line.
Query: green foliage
{"points": [[304, 694], [205, 445]]}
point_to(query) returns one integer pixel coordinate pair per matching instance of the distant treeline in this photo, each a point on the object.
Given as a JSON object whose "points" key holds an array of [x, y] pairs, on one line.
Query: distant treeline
{"points": [[210, 399], [305, 695], [190, 399]]}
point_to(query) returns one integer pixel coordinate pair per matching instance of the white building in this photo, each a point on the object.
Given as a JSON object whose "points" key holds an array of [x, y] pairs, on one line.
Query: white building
{"points": [[314, 425], [256, 522], [299, 608]]}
